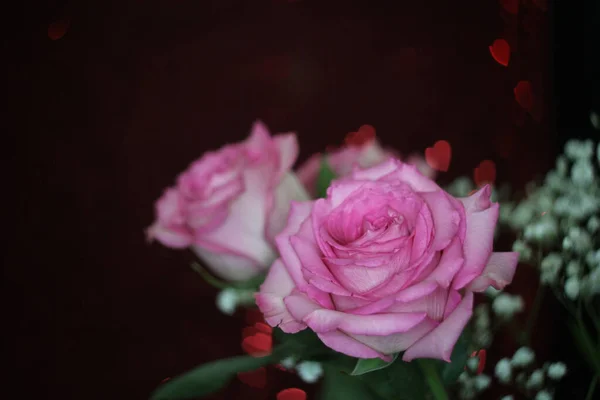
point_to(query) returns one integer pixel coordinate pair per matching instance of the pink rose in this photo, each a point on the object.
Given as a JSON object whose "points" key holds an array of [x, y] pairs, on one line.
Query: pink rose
{"points": [[386, 263], [229, 205], [343, 160]]}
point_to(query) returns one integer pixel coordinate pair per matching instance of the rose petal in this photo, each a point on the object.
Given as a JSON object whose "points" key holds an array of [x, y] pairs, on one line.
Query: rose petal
{"points": [[377, 324], [433, 305], [299, 306], [410, 175], [478, 244], [269, 300], [376, 172], [288, 190], [345, 344], [399, 341], [227, 264], [450, 263], [445, 218], [308, 172], [299, 211], [478, 201], [287, 144], [498, 272], [439, 342]]}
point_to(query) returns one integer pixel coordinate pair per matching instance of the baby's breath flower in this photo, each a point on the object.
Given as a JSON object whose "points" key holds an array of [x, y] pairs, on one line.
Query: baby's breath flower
{"points": [[482, 382], [572, 287], [492, 292], [473, 364], [506, 305], [503, 370], [227, 301], [550, 267], [557, 370], [522, 215], [590, 285], [523, 357], [542, 231], [288, 362], [592, 258], [582, 173], [536, 379], [543, 395], [593, 224], [580, 240], [577, 149], [309, 371], [523, 249], [562, 165], [573, 268]]}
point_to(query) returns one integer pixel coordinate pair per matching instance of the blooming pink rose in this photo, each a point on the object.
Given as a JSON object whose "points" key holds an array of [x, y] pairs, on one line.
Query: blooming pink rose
{"points": [[229, 205], [386, 263], [343, 160]]}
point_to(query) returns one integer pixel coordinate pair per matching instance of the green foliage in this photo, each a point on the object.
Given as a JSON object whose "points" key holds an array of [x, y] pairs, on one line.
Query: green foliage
{"points": [[209, 378], [365, 365], [338, 385], [326, 175], [460, 354]]}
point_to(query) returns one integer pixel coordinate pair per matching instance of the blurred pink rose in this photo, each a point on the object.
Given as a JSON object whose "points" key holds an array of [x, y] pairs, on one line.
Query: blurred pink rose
{"points": [[386, 263], [229, 205], [343, 160]]}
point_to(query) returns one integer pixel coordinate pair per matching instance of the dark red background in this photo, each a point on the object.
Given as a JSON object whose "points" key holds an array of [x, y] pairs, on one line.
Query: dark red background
{"points": [[134, 91]]}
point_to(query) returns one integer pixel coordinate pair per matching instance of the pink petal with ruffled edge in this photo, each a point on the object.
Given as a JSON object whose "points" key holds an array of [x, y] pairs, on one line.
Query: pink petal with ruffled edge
{"points": [[445, 217], [269, 300], [449, 265], [498, 272], [383, 324], [299, 305], [439, 342], [308, 172], [481, 216], [397, 342], [288, 190], [345, 344], [410, 175], [299, 211], [433, 305], [287, 144], [376, 172]]}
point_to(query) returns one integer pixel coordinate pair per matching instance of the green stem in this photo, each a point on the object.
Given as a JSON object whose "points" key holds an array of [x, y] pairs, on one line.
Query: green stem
{"points": [[590, 393], [433, 379], [208, 278], [533, 314]]}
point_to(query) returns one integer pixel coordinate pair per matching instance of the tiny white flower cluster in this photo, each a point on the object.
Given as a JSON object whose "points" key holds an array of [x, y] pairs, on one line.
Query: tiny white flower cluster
{"points": [[472, 383], [482, 334], [308, 371], [520, 370], [230, 298], [562, 218], [506, 305]]}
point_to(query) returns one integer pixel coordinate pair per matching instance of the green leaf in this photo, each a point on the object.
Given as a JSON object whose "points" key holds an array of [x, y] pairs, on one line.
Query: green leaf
{"points": [[338, 385], [210, 377], [208, 278], [399, 381], [451, 371], [326, 175], [365, 365], [304, 344]]}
